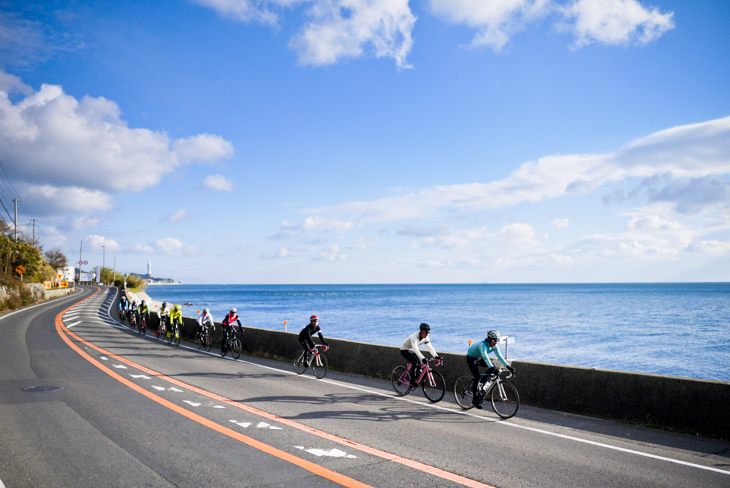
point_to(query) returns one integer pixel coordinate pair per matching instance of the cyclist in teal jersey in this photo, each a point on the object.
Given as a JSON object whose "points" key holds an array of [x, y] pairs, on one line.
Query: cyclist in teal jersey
{"points": [[478, 355]]}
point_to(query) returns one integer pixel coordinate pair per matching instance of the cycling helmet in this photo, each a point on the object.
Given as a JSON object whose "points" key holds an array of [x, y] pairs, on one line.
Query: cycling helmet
{"points": [[493, 335], [176, 307], [205, 310], [314, 317], [143, 302], [425, 328], [233, 310], [164, 304]]}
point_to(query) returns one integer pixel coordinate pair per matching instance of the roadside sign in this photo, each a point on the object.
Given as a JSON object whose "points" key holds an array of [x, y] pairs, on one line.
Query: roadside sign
{"points": [[80, 263], [86, 262], [20, 269]]}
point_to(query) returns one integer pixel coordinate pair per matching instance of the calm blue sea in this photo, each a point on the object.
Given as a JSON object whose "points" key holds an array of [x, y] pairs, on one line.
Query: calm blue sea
{"points": [[678, 329]]}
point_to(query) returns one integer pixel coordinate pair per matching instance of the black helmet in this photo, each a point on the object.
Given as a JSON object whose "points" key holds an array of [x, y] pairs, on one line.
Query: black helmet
{"points": [[425, 328], [164, 304]]}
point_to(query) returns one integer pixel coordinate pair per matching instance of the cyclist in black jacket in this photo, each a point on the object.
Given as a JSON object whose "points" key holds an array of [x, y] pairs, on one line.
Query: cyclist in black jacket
{"points": [[305, 336]]}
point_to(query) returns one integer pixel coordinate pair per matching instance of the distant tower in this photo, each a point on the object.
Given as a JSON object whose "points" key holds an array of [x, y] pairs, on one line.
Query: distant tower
{"points": [[149, 268]]}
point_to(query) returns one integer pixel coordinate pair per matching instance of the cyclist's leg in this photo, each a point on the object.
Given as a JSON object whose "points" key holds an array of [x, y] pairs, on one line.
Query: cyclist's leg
{"points": [[473, 364], [413, 359], [308, 345]]}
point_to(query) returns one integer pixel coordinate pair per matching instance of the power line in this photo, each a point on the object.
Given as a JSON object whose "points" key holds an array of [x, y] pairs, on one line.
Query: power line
{"points": [[14, 191]]}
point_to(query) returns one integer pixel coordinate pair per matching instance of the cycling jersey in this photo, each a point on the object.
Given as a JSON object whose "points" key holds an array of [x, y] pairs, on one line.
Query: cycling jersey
{"points": [[175, 315], [413, 341], [204, 318], [164, 312], [144, 309], [230, 318], [482, 349], [305, 336]]}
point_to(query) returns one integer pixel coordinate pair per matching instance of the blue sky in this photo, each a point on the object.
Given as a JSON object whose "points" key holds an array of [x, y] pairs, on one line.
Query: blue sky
{"points": [[373, 141]]}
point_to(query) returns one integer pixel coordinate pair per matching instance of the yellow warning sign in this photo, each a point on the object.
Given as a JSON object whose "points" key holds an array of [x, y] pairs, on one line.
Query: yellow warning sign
{"points": [[20, 269]]}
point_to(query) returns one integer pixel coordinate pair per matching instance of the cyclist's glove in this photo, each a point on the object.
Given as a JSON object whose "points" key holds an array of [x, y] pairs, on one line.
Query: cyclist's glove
{"points": [[424, 361], [511, 369]]}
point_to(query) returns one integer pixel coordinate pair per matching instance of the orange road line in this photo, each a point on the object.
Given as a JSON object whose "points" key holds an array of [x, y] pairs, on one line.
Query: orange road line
{"points": [[309, 466], [462, 480]]}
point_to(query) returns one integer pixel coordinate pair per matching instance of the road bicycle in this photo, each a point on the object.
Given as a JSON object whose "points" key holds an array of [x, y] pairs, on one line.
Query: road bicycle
{"points": [[203, 339], [161, 328], [173, 333], [132, 319], [503, 394], [317, 360], [232, 343], [432, 382], [143, 324], [122, 314]]}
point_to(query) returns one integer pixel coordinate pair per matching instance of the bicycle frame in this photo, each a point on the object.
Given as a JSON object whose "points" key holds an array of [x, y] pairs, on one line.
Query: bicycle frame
{"points": [[425, 371]]}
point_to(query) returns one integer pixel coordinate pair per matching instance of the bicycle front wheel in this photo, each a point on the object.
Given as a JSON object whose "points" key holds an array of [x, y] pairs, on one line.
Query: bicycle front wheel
{"points": [[236, 348], [505, 399], [176, 333], [319, 365], [435, 390], [299, 364], [208, 342], [462, 391], [400, 387]]}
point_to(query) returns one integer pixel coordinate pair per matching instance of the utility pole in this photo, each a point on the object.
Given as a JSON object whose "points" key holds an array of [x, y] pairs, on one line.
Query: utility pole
{"points": [[114, 279], [81, 250], [15, 200], [103, 259], [34, 221]]}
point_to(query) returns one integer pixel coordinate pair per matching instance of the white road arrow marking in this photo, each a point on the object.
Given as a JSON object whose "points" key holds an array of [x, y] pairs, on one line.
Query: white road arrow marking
{"points": [[175, 389], [245, 425], [104, 358], [330, 453], [138, 376], [192, 403], [159, 388], [119, 366]]}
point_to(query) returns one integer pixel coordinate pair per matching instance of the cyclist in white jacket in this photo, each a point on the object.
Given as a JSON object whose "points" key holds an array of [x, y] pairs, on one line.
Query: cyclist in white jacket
{"points": [[205, 319], [409, 349]]}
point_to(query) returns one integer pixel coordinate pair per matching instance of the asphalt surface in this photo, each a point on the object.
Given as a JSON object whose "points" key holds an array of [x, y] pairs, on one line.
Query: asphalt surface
{"points": [[135, 412]]}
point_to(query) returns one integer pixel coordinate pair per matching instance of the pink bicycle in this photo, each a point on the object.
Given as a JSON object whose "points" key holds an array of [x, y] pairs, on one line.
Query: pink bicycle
{"points": [[432, 382]]}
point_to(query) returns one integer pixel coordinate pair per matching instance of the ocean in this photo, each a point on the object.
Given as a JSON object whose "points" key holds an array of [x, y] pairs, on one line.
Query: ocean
{"points": [[676, 329]]}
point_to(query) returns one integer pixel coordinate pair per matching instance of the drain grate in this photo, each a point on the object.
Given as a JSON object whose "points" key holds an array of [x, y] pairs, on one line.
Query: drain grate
{"points": [[37, 389]]}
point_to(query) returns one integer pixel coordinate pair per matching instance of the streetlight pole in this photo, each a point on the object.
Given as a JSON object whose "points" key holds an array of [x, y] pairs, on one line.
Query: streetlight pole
{"points": [[103, 258]]}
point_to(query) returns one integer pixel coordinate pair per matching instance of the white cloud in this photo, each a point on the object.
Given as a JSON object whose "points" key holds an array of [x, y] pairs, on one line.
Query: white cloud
{"points": [[710, 248], [95, 242], [689, 151], [203, 147], [169, 246], [318, 224], [217, 183], [280, 253], [50, 200], [495, 20], [341, 29], [560, 223], [616, 22], [178, 216], [330, 253], [334, 30], [70, 155], [363, 244]]}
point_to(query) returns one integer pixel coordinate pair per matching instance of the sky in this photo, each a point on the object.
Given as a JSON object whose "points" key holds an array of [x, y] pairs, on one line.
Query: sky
{"points": [[372, 141]]}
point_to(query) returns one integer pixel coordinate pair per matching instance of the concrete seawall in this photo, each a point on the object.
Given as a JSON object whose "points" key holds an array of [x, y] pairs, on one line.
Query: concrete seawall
{"points": [[684, 404]]}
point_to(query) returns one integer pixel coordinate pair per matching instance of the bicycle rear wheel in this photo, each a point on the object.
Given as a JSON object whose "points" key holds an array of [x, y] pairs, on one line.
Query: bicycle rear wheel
{"points": [[236, 348], [208, 342], [434, 391], [462, 391], [299, 364], [400, 387], [505, 399], [319, 365]]}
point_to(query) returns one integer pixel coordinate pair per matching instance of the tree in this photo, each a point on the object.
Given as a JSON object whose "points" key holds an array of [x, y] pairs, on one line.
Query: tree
{"points": [[56, 258]]}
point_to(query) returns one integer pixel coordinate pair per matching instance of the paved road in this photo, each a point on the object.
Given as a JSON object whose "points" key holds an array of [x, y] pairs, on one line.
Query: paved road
{"points": [[134, 411]]}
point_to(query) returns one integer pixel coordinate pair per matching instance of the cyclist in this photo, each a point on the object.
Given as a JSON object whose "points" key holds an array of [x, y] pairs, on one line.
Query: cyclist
{"points": [[205, 319], [144, 310], [133, 310], [227, 324], [478, 355], [176, 315], [123, 306], [409, 350], [164, 316], [305, 337]]}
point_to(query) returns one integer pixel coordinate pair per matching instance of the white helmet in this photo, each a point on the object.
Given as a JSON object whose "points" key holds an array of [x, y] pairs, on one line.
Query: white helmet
{"points": [[233, 310], [205, 310]]}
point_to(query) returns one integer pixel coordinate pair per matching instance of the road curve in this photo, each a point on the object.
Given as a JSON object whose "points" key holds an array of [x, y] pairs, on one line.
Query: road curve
{"points": [[85, 401]]}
